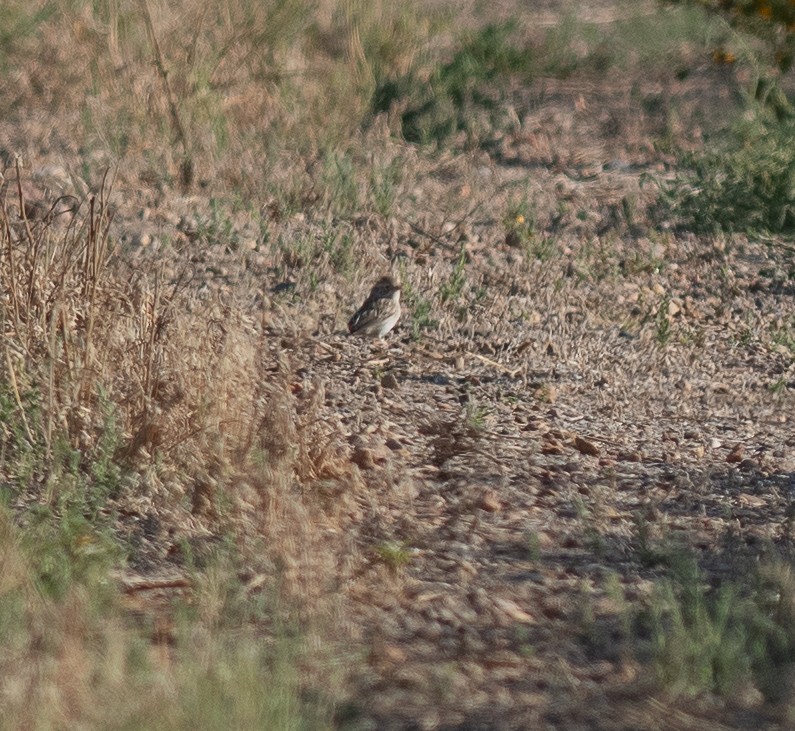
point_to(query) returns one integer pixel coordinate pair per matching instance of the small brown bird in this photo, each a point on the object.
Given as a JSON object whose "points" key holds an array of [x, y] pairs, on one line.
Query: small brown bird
{"points": [[380, 311]]}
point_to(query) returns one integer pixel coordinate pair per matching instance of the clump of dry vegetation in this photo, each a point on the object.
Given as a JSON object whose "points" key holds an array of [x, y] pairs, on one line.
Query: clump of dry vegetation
{"points": [[139, 420], [543, 503]]}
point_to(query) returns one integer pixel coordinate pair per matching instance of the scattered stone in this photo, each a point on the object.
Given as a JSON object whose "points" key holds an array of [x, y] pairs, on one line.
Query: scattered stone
{"points": [[489, 502], [585, 447], [546, 393], [513, 611], [363, 458], [141, 239], [749, 465], [735, 455], [392, 654], [390, 381], [283, 287]]}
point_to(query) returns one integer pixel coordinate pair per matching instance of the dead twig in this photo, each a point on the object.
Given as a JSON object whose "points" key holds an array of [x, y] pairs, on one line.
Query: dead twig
{"points": [[186, 168], [512, 372]]}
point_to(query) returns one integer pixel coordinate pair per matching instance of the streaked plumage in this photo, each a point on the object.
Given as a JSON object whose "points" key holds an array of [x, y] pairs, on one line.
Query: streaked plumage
{"points": [[380, 311]]}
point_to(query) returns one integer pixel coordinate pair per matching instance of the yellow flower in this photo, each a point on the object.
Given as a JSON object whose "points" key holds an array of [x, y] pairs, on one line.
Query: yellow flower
{"points": [[720, 55]]}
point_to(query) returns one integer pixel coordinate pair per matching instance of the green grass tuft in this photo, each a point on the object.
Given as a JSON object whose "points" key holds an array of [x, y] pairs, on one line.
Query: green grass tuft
{"points": [[744, 182]]}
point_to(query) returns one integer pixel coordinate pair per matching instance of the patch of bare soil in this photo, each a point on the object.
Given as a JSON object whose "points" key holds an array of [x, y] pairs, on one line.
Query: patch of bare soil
{"points": [[530, 455]]}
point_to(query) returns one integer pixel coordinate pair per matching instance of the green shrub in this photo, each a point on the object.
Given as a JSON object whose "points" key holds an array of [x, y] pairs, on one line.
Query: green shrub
{"points": [[459, 95], [744, 183], [726, 637]]}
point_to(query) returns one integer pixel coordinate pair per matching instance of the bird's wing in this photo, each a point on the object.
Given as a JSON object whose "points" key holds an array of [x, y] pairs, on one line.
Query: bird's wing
{"points": [[373, 310]]}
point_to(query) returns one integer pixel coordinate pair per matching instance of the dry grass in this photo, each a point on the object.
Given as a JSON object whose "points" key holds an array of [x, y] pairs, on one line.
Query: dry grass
{"points": [[226, 98], [135, 411], [78, 662]]}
